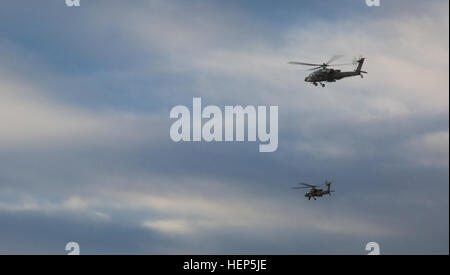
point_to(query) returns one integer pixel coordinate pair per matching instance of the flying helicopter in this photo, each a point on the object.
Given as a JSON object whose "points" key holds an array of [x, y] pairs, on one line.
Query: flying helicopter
{"points": [[314, 192], [323, 72]]}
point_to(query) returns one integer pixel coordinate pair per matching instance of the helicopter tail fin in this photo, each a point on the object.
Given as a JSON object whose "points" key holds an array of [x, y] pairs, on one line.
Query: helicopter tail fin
{"points": [[360, 64], [329, 191]]}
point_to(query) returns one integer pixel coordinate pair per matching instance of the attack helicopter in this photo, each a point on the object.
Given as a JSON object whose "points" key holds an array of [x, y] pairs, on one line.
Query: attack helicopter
{"points": [[314, 192], [324, 73]]}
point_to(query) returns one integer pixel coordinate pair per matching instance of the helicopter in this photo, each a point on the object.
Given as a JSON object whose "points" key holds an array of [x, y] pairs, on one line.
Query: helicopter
{"points": [[322, 73], [314, 192]]}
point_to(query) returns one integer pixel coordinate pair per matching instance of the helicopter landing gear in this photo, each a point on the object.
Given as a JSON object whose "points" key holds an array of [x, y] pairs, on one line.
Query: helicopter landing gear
{"points": [[321, 84], [361, 75]]}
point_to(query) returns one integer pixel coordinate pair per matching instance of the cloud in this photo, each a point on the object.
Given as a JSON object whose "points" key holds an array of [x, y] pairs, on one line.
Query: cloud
{"points": [[431, 149], [33, 119], [169, 226], [72, 206]]}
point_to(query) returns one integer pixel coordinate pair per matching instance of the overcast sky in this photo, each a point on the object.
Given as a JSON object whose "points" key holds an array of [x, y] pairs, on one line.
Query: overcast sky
{"points": [[86, 155]]}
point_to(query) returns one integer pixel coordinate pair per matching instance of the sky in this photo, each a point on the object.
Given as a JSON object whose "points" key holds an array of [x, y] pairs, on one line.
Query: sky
{"points": [[86, 155]]}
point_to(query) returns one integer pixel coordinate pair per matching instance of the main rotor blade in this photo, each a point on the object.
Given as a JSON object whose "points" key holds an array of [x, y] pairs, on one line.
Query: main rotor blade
{"points": [[301, 63], [300, 187], [334, 58], [305, 184]]}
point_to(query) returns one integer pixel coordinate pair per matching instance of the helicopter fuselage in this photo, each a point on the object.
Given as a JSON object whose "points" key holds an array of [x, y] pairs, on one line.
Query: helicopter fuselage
{"points": [[313, 193], [329, 75]]}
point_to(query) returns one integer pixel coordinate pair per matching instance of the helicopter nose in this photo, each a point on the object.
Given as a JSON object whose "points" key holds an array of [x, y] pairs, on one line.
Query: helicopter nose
{"points": [[306, 79]]}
